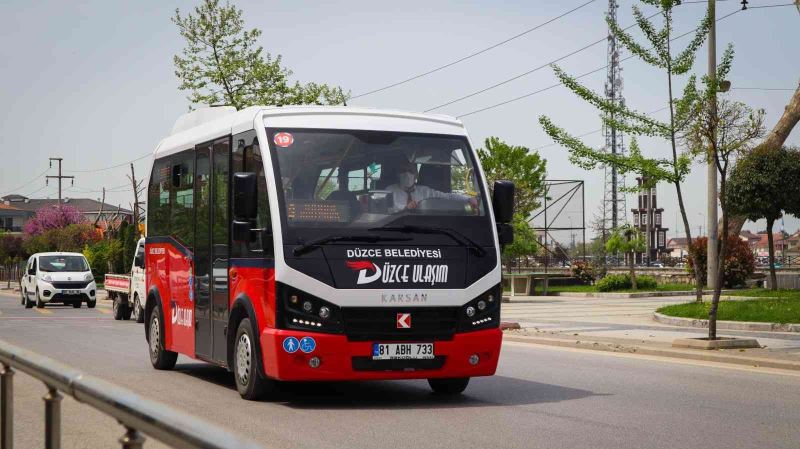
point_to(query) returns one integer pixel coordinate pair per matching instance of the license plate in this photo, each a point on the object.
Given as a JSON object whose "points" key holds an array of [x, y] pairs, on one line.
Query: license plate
{"points": [[71, 292], [388, 351]]}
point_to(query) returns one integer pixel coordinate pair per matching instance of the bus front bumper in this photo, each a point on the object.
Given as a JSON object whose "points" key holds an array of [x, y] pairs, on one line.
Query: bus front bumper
{"points": [[340, 359]]}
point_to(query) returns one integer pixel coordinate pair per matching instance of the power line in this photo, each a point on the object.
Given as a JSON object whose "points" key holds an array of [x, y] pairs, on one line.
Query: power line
{"points": [[27, 182], [472, 55], [577, 77], [516, 77], [149, 153]]}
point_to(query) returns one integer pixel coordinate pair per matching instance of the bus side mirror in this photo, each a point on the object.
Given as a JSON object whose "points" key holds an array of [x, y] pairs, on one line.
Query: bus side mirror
{"points": [[503, 201], [245, 196]]}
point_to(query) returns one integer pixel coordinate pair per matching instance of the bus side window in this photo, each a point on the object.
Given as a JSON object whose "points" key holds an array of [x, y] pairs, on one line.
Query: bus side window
{"points": [[247, 157], [182, 194], [158, 199]]}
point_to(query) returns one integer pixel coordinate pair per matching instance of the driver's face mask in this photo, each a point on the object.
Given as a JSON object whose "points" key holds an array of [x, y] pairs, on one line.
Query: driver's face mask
{"points": [[406, 179]]}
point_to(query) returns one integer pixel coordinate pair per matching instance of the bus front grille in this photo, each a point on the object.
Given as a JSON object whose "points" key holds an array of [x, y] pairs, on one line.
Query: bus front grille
{"points": [[380, 323]]}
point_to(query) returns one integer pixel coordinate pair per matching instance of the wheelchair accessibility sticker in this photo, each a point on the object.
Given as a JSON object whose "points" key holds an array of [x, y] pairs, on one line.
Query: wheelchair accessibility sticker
{"points": [[307, 344]]}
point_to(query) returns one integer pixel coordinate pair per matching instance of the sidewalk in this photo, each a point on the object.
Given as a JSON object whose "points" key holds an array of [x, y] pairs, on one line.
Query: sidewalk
{"points": [[627, 325]]}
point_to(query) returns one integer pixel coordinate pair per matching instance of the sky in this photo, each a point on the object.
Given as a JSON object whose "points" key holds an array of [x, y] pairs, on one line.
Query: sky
{"points": [[93, 81]]}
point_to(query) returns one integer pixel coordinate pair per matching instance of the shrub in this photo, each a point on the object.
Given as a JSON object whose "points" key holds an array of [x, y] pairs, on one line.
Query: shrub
{"points": [[72, 238], [646, 283], [103, 256], [739, 261], [582, 272], [614, 282]]}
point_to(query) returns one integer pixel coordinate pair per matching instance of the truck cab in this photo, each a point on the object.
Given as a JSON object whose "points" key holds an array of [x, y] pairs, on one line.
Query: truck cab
{"points": [[128, 291]]}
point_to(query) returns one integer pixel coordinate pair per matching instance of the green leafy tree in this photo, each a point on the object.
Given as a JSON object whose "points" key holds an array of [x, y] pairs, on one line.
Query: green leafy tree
{"points": [[627, 240], [658, 53], [760, 187], [222, 63], [524, 244], [525, 168], [718, 131]]}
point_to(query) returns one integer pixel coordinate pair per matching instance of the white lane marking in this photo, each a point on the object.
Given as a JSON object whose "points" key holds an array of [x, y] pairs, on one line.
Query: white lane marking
{"points": [[654, 358]]}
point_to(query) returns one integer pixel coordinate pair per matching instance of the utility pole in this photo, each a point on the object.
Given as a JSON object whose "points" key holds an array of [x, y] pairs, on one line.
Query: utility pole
{"points": [[60, 176], [711, 225], [136, 189]]}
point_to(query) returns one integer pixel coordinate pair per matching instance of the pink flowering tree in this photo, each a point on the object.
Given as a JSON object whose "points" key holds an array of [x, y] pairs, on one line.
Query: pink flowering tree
{"points": [[55, 217]]}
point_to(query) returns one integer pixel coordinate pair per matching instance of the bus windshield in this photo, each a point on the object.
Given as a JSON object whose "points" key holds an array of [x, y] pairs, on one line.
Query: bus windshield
{"points": [[366, 179]]}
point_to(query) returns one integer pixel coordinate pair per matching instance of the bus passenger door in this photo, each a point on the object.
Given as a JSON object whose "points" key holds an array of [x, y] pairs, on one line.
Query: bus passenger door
{"points": [[202, 261], [220, 180]]}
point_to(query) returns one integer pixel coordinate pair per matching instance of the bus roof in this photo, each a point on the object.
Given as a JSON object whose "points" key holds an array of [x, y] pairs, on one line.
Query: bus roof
{"points": [[204, 125]]}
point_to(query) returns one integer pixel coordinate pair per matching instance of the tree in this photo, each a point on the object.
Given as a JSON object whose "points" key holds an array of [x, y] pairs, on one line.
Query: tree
{"points": [[627, 240], [759, 187], [223, 64], [719, 131], [657, 53], [11, 253], [775, 139], [517, 164], [524, 244], [53, 217], [527, 170]]}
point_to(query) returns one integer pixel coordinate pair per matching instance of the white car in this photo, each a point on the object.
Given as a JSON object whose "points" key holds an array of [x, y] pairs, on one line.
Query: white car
{"points": [[58, 278]]}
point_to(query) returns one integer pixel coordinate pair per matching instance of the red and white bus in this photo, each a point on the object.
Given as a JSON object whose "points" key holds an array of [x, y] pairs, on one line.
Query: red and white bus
{"points": [[324, 243]]}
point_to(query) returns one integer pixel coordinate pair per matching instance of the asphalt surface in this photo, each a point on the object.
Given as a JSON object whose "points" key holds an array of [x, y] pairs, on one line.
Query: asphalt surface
{"points": [[540, 398]]}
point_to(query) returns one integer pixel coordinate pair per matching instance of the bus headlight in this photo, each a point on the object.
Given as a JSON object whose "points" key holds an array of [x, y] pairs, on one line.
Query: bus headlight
{"points": [[302, 311], [482, 312]]}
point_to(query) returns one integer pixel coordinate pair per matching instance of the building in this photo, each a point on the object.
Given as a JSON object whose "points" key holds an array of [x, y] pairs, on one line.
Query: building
{"points": [[648, 210], [780, 243], [12, 219], [677, 247], [16, 210]]}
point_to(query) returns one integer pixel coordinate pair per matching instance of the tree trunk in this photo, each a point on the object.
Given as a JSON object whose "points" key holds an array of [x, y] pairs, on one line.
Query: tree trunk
{"points": [[775, 139], [723, 250], [773, 279], [649, 226], [697, 276], [633, 271]]}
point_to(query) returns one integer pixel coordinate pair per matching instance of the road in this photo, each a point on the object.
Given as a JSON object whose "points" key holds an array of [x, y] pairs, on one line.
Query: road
{"points": [[540, 398]]}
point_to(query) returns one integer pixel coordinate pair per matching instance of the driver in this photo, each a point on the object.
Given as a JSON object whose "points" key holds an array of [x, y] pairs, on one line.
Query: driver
{"points": [[408, 194]]}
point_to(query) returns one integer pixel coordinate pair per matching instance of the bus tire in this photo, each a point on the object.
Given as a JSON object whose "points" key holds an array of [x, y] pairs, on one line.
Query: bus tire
{"points": [[250, 384], [138, 312], [449, 387], [159, 357]]}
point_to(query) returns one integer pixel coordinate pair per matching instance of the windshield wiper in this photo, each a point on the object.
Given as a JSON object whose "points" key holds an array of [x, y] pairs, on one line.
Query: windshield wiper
{"points": [[369, 238], [452, 233]]}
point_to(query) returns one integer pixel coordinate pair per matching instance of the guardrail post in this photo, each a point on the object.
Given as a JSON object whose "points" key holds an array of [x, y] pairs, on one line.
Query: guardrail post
{"points": [[132, 439], [52, 419], [7, 408]]}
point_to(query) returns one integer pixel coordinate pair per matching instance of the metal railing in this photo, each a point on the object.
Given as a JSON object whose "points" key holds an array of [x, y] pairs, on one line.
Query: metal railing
{"points": [[137, 415]]}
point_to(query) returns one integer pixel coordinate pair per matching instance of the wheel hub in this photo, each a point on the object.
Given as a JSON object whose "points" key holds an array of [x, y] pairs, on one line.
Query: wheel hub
{"points": [[155, 334], [243, 356]]}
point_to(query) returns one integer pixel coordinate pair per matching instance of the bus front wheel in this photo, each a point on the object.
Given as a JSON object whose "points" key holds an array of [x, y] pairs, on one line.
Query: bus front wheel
{"points": [[250, 384], [159, 357], [449, 386]]}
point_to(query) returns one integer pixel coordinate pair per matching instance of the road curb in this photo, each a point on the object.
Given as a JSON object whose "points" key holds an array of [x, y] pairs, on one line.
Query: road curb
{"points": [[630, 295], [704, 355], [729, 325]]}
